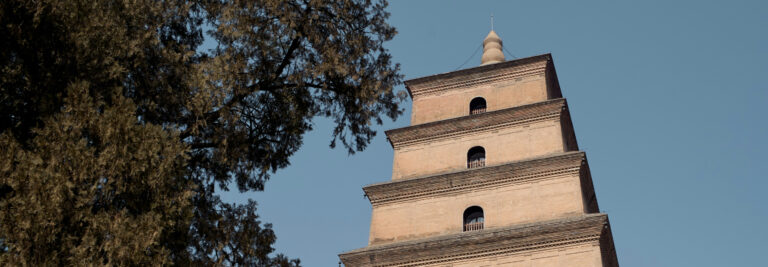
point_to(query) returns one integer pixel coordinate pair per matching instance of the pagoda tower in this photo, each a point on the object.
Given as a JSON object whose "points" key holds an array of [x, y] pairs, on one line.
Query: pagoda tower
{"points": [[488, 174]]}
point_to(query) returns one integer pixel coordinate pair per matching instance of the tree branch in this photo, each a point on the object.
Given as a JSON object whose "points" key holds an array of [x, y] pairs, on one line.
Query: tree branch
{"points": [[262, 85]]}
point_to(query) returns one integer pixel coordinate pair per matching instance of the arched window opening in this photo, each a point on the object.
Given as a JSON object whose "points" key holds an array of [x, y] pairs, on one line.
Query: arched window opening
{"points": [[473, 218], [477, 105], [476, 157]]}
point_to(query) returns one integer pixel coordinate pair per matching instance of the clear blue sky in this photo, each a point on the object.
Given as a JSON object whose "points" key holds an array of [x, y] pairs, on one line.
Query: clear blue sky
{"points": [[669, 100]]}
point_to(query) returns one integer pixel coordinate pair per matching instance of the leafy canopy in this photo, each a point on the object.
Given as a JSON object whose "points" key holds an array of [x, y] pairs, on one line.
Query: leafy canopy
{"points": [[119, 125]]}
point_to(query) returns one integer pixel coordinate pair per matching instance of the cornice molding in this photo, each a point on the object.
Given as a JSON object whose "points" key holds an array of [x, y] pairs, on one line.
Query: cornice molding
{"points": [[588, 228], [485, 74], [450, 183], [472, 124]]}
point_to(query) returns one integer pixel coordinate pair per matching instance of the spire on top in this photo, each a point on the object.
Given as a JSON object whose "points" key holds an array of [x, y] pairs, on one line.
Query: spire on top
{"points": [[491, 21], [492, 48]]}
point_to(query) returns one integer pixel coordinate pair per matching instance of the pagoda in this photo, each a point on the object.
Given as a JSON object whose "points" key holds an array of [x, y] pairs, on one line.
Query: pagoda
{"points": [[488, 174]]}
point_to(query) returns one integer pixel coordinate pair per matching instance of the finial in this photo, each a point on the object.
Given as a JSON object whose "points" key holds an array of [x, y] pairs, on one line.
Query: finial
{"points": [[492, 46], [491, 21]]}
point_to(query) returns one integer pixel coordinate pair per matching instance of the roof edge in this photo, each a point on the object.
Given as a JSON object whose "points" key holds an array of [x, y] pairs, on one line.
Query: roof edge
{"points": [[472, 70], [543, 167], [521, 237], [393, 132]]}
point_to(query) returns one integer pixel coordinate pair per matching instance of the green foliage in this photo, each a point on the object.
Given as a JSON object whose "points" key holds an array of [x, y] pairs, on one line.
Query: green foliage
{"points": [[118, 127]]}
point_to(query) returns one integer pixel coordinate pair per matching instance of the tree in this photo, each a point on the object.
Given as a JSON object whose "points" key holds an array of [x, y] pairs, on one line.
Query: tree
{"points": [[119, 126]]}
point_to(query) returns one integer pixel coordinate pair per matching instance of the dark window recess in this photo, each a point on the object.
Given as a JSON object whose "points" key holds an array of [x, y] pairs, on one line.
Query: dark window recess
{"points": [[473, 218], [477, 106], [476, 157]]}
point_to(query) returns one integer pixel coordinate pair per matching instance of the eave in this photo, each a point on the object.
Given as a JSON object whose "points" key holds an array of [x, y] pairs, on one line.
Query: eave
{"points": [[588, 228], [478, 75], [477, 123], [471, 179]]}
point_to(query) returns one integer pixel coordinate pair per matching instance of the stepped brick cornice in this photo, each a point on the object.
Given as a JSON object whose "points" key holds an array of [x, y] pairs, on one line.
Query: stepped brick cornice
{"points": [[453, 182], [477, 123], [485, 74], [585, 229]]}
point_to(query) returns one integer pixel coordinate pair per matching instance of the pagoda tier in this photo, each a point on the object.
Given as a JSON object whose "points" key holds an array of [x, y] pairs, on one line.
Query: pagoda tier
{"points": [[507, 135], [504, 85], [544, 188]]}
